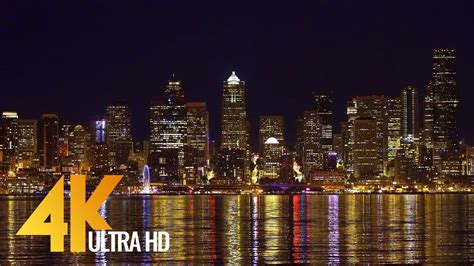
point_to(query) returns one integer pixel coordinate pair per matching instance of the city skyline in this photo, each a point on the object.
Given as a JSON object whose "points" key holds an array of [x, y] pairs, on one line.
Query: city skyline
{"points": [[254, 135]]}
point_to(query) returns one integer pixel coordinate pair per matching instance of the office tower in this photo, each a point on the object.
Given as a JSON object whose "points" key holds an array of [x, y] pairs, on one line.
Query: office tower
{"points": [[394, 124], [234, 134], [99, 154], [323, 107], [168, 126], [197, 143], [369, 107], [445, 103], [405, 162], [119, 133], [410, 114], [271, 126], [313, 155], [366, 148], [273, 151], [50, 142], [77, 148], [27, 144], [63, 147], [299, 140], [10, 139], [427, 135], [271, 143]]}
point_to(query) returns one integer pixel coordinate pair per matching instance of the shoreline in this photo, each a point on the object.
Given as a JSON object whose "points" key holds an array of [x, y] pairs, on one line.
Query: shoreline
{"points": [[138, 195]]}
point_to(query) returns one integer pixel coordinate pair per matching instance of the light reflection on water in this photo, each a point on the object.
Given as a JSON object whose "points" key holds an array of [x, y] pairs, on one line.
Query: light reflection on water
{"points": [[250, 229]]}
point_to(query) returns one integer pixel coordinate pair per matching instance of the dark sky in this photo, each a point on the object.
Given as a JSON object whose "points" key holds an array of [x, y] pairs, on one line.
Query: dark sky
{"points": [[75, 57]]}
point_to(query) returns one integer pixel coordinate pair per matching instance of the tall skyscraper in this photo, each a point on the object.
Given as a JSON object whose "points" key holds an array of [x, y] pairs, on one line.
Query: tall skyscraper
{"points": [[50, 142], [366, 148], [197, 142], [234, 134], [299, 140], [313, 155], [369, 107], [10, 139], [410, 113], [272, 143], [119, 133], [234, 115], [427, 135], [394, 124], [323, 107], [27, 144], [168, 126], [445, 103]]}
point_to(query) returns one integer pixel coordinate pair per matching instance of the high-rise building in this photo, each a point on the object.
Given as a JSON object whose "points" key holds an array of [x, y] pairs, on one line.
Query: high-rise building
{"points": [[369, 107], [168, 126], [99, 154], [271, 126], [366, 148], [77, 148], [313, 155], [10, 139], [410, 124], [197, 142], [394, 118], [273, 151], [119, 133], [271, 143], [299, 140], [235, 129], [445, 104], [234, 116], [427, 136], [323, 107], [50, 142], [27, 144]]}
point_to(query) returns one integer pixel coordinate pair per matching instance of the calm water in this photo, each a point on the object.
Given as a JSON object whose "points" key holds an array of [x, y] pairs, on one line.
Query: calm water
{"points": [[270, 229]]}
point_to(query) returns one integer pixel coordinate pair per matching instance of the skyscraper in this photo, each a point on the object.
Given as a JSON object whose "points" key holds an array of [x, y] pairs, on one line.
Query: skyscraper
{"points": [[427, 135], [272, 143], [168, 126], [445, 103], [366, 150], [234, 134], [27, 144], [234, 115], [410, 124], [271, 126], [197, 139], [10, 139], [369, 107], [394, 118], [99, 154], [50, 142], [119, 133], [77, 147], [323, 107], [313, 155]]}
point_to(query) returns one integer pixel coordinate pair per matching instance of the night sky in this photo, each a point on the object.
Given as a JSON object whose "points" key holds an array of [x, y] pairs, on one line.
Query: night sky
{"points": [[75, 57]]}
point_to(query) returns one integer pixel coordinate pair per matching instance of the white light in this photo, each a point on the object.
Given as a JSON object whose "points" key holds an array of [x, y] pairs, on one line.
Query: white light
{"points": [[272, 140], [233, 79]]}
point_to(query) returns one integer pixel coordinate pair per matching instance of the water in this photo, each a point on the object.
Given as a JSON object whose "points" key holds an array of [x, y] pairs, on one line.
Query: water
{"points": [[270, 229]]}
